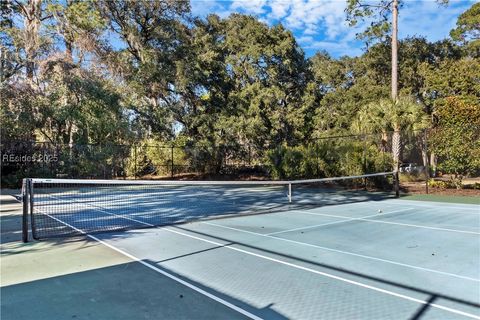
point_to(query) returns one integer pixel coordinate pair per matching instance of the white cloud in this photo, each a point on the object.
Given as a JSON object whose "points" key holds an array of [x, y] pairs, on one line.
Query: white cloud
{"points": [[304, 16], [279, 8], [321, 17], [305, 39], [204, 7], [322, 22], [436, 21], [255, 7]]}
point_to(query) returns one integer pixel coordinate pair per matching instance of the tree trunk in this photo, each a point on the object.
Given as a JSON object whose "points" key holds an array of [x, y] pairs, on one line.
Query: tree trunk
{"points": [[422, 141], [32, 13], [6, 14], [384, 141], [395, 50], [68, 40], [70, 140], [433, 163], [396, 149], [69, 51]]}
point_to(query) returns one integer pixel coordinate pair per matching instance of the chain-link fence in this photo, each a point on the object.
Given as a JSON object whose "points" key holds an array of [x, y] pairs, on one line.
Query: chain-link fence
{"points": [[329, 156], [21, 159]]}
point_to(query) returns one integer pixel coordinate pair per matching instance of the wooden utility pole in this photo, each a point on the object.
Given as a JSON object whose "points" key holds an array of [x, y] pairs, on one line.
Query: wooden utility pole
{"points": [[395, 50]]}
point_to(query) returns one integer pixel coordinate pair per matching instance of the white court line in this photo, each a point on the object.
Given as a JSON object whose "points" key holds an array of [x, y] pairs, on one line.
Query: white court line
{"points": [[346, 252], [347, 219], [329, 275], [456, 212], [246, 313], [162, 272], [378, 221], [305, 244]]}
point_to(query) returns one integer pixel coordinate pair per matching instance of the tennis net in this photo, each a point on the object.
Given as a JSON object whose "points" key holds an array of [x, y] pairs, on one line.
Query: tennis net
{"points": [[69, 207]]}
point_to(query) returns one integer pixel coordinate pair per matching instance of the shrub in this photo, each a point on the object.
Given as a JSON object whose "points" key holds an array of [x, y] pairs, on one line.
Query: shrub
{"points": [[445, 184], [154, 157]]}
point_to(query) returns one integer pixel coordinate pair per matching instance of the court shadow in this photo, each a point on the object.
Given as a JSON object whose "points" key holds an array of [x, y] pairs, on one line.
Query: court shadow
{"points": [[419, 313], [424, 308], [121, 209], [123, 291]]}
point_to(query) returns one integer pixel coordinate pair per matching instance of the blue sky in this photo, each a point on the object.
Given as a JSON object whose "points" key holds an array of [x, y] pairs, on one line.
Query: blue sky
{"points": [[320, 24]]}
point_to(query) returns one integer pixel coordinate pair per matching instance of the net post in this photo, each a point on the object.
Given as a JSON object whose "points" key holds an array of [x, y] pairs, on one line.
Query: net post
{"points": [[25, 203], [32, 216], [289, 193]]}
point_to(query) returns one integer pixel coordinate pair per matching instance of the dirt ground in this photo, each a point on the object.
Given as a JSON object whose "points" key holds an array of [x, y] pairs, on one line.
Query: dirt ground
{"points": [[419, 188]]}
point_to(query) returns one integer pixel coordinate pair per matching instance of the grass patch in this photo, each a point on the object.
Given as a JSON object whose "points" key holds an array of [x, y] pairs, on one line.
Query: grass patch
{"points": [[443, 198]]}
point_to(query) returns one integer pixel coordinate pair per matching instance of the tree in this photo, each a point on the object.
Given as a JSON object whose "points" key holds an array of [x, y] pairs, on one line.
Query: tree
{"points": [[53, 94], [468, 29], [456, 137], [8, 61], [344, 85], [379, 27], [79, 24], [153, 35], [269, 71], [34, 14], [385, 115], [451, 77], [242, 85]]}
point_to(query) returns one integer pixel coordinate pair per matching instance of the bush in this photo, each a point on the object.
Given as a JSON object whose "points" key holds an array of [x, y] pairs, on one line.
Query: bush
{"points": [[474, 186], [327, 158], [456, 137], [445, 184], [155, 157]]}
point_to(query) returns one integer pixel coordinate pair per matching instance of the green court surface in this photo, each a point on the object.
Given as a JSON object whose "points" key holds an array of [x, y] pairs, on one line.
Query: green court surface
{"points": [[443, 198], [374, 259]]}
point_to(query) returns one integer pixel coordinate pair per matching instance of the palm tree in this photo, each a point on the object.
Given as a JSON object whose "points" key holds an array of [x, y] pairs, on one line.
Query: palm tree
{"points": [[386, 115]]}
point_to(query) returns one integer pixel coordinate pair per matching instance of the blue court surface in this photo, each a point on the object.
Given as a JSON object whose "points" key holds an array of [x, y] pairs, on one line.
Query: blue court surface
{"points": [[388, 259], [368, 258]]}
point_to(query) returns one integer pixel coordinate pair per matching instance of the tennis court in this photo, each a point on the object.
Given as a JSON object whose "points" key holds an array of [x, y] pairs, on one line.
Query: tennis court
{"points": [[265, 251]]}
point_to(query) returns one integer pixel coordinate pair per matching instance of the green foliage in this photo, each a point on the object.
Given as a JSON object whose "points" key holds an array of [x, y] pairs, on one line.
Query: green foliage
{"points": [[78, 22], [229, 89], [456, 137], [385, 115], [452, 78], [161, 158], [344, 86], [468, 29], [293, 162], [445, 184], [378, 12], [328, 157], [138, 163], [155, 42]]}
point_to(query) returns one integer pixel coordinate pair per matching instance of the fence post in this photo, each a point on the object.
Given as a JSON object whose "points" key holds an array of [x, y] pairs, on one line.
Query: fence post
{"points": [[365, 153], [289, 192], [365, 160], [171, 154], [135, 161], [427, 161]]}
